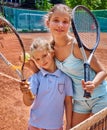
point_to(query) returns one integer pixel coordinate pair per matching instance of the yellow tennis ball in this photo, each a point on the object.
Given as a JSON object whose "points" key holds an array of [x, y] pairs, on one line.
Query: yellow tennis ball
{"points": [[27, 57]]}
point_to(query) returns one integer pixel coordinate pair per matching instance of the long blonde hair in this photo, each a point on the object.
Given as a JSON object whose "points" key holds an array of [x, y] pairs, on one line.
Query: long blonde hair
{"points": [[59, 7]]}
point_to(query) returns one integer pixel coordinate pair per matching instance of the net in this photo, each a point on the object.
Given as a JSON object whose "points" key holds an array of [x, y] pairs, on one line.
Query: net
{"points": [[33, 19], [95, 122], [26, 20]]}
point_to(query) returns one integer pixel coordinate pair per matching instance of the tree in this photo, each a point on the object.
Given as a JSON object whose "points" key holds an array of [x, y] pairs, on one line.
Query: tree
{"points": [[57, 1], [28, 4], [91, 4]]}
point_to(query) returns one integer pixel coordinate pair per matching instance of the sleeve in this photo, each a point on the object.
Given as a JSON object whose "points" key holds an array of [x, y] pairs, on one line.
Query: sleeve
{"points": [[34, 83], [68, 86]]}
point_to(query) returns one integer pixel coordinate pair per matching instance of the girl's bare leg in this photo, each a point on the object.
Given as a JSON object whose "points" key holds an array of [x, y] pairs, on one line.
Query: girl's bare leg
{"points": [[78, 118]]}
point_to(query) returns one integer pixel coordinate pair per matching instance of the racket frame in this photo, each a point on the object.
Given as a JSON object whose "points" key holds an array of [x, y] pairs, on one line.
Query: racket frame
{"points": [[19, 72], [82, 47], [21, 75]]}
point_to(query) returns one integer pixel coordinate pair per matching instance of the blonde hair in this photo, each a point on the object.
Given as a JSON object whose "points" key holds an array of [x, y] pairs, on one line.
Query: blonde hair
{"points": [[60, 7], [41, 44]]}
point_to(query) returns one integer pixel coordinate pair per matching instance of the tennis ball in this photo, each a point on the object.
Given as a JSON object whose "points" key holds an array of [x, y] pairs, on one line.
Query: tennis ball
{"points": [[27, 57]]}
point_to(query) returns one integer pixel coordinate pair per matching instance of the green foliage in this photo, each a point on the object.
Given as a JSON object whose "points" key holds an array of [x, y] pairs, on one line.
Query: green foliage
{"points": [[47, 4], [57, 1], [43, 5], [91, 4]]}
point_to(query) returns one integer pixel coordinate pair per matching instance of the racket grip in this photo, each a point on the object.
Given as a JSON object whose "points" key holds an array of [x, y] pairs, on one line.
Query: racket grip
{"points": [[86, 78]]}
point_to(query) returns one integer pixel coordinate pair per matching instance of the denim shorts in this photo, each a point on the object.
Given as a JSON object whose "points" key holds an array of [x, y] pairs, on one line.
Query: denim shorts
{"points": [[90, 106]]}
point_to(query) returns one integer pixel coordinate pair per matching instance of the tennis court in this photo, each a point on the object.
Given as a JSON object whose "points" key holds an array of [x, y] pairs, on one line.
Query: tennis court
{"points": [[13, 113]]}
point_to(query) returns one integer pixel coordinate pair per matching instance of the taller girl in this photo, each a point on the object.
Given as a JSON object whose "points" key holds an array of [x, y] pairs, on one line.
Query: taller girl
{"points": [[69, 60]]}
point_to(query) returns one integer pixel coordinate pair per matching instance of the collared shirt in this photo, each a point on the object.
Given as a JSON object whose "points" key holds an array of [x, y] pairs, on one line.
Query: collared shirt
{"points": [[50, 90]]}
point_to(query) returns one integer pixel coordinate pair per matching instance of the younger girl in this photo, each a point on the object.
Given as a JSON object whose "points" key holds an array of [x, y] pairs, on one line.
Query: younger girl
{"points": [[52, 90]]}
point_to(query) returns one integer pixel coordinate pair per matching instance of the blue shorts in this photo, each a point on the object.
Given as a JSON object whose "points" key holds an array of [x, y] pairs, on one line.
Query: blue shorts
{"points": [[90, 106]]}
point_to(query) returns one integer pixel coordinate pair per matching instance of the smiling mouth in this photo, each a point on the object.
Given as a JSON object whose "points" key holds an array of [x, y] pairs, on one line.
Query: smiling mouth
{"points": [[59, 30], [45, 64]]}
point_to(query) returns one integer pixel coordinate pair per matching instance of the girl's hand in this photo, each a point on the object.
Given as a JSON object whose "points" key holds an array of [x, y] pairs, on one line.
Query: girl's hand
{"points": [[24, 87], [88, 86], [32, 66], [29, 62], [28, 96]]}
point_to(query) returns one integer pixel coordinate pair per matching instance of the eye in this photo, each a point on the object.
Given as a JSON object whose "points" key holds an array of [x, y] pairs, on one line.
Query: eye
{"points": [[45, 55], [65, 22], [37, 59], [55, 20]]}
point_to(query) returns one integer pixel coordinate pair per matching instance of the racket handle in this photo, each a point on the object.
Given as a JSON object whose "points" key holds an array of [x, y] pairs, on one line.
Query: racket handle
{"points": [[87, 94], [86, 78]]}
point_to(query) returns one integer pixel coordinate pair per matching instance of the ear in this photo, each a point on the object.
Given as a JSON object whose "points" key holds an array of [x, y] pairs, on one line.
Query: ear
{"points": [[47, 23], [53, 53]]}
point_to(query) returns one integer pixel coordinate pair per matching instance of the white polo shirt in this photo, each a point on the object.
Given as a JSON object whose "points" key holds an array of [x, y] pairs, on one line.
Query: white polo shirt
{"points": [[48, 108]]}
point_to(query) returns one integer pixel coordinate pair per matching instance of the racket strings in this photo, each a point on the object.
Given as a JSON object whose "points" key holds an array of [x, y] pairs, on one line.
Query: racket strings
{"points": [[86, 27], [10, 50]]}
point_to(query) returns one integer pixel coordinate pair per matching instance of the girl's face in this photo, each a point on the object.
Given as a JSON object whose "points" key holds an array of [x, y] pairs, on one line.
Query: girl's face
{"points": [[59, 23], [44, 59]]}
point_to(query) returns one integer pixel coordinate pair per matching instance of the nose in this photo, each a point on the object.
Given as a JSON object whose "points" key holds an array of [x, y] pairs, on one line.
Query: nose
{"points": [[60, 24], [42, 61]]}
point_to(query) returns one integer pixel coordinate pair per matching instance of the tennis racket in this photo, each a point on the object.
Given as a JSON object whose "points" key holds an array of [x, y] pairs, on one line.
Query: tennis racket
{"points": [[87, 33], [11, 48]]}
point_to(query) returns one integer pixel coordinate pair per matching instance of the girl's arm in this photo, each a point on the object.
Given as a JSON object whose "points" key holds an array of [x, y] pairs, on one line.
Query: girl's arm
{"points": [[27, 98], [68, 111], [101, 74], [95, 64], [100, 71], [32, 65]]}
